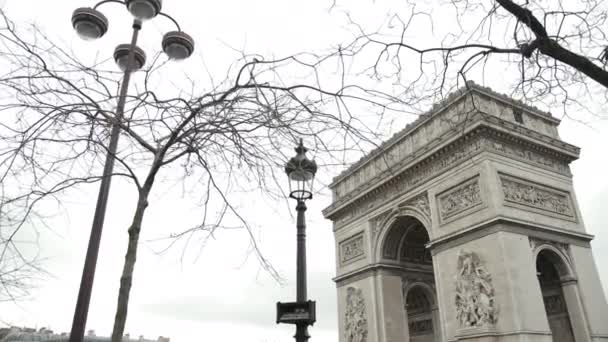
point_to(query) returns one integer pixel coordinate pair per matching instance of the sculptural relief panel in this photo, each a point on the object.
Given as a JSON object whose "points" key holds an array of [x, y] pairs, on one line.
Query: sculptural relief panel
{"points": [[355, 320], [459, 199], [475, 302], [536, 196], [529, 156], [352, 249]]}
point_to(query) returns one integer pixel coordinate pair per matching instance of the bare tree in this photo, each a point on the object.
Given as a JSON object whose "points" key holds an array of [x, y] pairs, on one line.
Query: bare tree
{"points": [[56, 112], [553, 52]]}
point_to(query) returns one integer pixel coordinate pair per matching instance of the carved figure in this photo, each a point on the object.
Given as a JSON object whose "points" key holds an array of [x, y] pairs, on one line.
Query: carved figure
{"points": [[531, 195], [355, 322], [352, 248], [475, 306], [460, 199]]}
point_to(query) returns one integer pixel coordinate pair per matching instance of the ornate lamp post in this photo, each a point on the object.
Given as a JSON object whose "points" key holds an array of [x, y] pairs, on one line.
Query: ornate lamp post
{"points": [[91, 24], [301, 173]]}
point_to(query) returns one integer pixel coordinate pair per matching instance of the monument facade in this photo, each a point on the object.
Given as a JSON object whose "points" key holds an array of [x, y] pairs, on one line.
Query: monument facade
{"points": [[465, 227]]}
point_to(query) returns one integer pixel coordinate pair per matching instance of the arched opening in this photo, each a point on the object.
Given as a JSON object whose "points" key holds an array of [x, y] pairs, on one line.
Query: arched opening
{"points": [[404, 245], [551, 269], [406, 242], [419, 310]]}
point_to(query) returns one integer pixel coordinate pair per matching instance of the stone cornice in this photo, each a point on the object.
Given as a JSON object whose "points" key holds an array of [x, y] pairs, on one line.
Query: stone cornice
{"points": [[438, 108], [380, 267], [509, 224], [449, 150]]}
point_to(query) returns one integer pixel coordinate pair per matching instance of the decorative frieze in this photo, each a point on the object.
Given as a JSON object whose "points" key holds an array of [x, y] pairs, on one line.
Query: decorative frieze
{"points": [[403, 182], [352, 249], [459, 198], [527, 155], [355, 320], [475, 142], [475, 305], [536, 196]]}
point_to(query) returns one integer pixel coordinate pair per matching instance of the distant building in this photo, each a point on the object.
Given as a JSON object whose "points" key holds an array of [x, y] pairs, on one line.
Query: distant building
{"points": [[16, 334]]}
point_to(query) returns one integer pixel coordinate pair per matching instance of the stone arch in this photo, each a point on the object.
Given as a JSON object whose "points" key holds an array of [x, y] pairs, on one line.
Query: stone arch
{"points": [[558, 258], [390, 223], [428, 290], [561, 298], [421, 311]]}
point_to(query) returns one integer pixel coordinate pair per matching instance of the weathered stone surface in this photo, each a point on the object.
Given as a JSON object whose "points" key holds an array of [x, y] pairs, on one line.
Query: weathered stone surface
{"points": [[475, 305], [459, 199], [536, 196], [352, 248], [459, 211], [355, 320]]}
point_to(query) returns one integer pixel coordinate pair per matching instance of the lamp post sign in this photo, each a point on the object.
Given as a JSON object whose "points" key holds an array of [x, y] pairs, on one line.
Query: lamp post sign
{"points": [[296, 312]]}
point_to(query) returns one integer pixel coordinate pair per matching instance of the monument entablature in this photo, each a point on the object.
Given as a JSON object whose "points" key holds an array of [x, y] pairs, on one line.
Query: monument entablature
{"points": [[469, 131], [465, 227]]}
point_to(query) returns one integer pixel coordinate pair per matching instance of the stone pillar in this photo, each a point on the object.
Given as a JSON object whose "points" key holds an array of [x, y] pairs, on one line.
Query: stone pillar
{"points": [[436, 323], [576, 312], [392, 320]]}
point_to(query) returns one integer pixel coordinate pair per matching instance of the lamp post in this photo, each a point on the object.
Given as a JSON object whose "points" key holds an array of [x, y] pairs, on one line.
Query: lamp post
{"points": [[91, 24], [301, 173]]}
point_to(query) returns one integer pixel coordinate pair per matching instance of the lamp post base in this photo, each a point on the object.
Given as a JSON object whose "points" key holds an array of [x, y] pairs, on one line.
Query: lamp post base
{"points": [[301, 333]]}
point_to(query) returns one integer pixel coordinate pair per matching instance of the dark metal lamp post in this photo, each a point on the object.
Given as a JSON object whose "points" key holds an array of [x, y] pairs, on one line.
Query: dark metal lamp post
{"points": [[301, 173], [91, 24]]}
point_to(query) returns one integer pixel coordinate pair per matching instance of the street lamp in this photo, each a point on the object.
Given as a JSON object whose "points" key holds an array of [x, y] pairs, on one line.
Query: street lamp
{"points": [[91, 24], [301, 174]]}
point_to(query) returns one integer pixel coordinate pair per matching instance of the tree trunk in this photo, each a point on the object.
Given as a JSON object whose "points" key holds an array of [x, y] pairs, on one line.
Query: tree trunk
{"points": [[127, 273]]}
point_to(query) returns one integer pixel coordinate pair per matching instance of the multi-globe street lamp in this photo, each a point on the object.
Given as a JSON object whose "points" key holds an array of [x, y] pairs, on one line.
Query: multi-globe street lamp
{"points": [[301, 174], [91, 24]]}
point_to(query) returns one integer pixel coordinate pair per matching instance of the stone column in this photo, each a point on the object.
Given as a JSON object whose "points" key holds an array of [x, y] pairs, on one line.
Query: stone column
{"points": [[436, 323], [576, 312], [392, 320]]}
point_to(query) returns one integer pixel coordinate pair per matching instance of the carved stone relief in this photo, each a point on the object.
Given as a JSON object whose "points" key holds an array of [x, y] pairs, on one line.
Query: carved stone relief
{"points": [[442, 160], [406, 181], [536, 196], [352, 248], [379, 221], [475, 305], [530, 156], [420, 202], [459, 199], [355, 321]]}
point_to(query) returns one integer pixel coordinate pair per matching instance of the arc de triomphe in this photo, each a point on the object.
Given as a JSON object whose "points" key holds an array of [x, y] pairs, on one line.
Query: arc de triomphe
{"points": [[465, 227]]}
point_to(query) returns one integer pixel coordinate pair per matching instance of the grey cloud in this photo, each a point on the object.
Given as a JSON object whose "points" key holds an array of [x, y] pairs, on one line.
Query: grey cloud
{"points": [[254, 304]]}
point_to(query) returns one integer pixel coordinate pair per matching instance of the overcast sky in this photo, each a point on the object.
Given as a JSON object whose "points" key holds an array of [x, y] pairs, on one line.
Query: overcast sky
{"points": [[219, 292]]}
